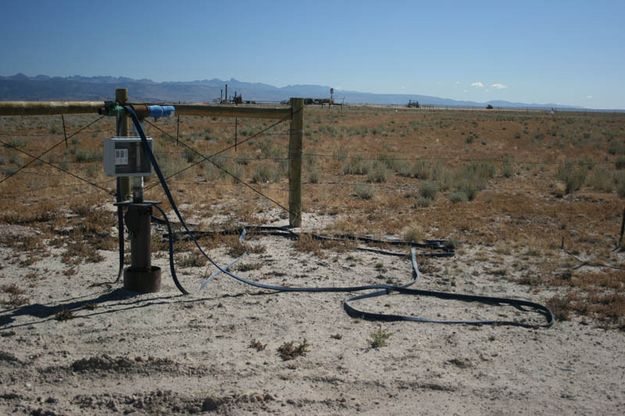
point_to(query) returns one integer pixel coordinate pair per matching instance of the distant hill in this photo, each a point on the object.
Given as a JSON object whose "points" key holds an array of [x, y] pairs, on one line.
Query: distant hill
{"points": [[42, 87]]}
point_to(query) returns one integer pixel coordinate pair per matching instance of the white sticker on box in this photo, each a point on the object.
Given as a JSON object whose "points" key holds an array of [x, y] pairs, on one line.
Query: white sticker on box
{"points": [[121, 156]]}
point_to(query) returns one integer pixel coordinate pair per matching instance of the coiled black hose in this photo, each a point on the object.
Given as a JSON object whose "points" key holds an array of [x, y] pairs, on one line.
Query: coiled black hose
{"points": [[378, 289]]}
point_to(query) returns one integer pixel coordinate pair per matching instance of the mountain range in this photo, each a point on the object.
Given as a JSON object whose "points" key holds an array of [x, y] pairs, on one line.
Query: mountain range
{"points": [[42, 87]]}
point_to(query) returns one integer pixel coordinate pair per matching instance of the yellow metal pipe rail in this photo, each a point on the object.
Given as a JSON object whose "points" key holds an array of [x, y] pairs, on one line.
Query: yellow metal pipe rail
{"points": [[32, 108], [36, 108]]}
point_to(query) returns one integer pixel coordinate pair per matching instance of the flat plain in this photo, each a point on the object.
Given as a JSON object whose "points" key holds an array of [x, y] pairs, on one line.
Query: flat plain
{"points": [[532, 201]]}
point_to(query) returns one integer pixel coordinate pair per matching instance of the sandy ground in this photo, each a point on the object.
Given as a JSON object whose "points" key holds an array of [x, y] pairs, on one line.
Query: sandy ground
{"points": [[165, 353]]}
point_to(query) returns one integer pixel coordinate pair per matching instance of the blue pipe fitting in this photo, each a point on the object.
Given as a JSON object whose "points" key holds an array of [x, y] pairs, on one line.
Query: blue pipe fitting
{"points": [[158, 111]]}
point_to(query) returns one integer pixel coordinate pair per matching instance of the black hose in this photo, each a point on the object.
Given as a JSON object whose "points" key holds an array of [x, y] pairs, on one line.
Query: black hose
{"points": [[379, 289], [172, 267], [120, 231]]}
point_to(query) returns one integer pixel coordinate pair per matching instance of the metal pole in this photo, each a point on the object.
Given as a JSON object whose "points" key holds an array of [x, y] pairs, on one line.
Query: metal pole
{"points": [[295, 162], [123, 183], [141, 276]]}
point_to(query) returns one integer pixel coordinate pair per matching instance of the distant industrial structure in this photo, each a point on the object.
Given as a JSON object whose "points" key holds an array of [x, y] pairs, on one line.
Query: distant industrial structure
{"points": [[413, 104], [236, 99]]}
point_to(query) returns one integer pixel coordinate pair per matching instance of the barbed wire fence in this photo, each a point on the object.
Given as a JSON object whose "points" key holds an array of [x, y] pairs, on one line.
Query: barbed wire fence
{"points": [[217, 159]]}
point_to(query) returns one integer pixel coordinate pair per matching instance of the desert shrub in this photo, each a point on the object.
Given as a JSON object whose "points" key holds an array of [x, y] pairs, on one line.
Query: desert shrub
{"points": [[377, 173], [616, 147], [379, 337], [313, 176], [340, 154], [561, 307], [470, 187], [236, 171], [587, 163], [188, 155], [15, 143], [413, 234], [9, 171], [192, 260], [308, 159], [403, 168], [421, 169], [428, 190], [15, 159], [601, 180], [458, 196], [479, 170], [471, 137], [572, 176], [619, 163], [264, 173], [619, 179], [388, 160], [356, 166], [506, 168], [363, 191], [86, 156], [242, 160], [290, 350]]}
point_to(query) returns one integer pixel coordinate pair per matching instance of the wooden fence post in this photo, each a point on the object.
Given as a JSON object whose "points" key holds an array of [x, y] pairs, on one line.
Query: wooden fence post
{"points": [[296, 133]]}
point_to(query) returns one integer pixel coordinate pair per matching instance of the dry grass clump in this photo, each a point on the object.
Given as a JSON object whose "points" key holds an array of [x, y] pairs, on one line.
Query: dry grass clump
{"points": [[235, 247], [606, 307], [601, 180], [257, 345], [428, 190], [264, 173], [291, 350], [77, 252], [15, 295], [596, 294], [38, 212], [414, 234], [192, 259], [307, 244], [356, 165], [377, 173]]}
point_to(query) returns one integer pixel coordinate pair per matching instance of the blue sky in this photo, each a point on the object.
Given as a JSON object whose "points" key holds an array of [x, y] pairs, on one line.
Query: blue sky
{"points": [[566, 52]]}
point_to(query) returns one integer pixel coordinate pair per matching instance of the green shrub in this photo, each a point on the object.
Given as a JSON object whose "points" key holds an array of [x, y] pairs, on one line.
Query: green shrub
{"points": [[620, 163], [264, 173], [188, 155], [458, 196], [15, 143], [506, 168], [470, 188], [15, 159], [377, 173], [86, 156], [572, 176], [616, 147], [313, 176], [479, 170], [414, 234], [428, 190], [388, 161], [340, 154], [421, 169], [356, 166], [601, 180], [363, 191]]}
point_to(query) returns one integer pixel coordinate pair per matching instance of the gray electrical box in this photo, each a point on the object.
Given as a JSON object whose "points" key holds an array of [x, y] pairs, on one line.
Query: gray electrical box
{"points": [[125, 156]]}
